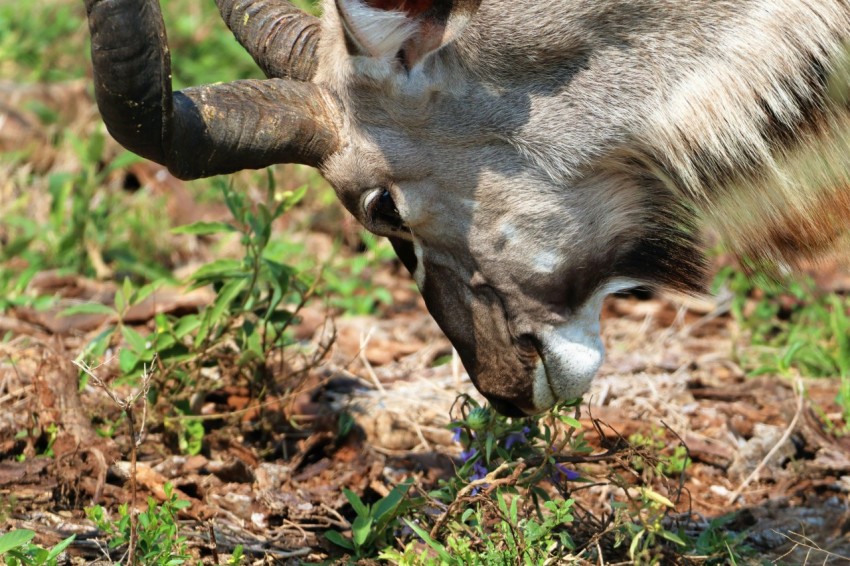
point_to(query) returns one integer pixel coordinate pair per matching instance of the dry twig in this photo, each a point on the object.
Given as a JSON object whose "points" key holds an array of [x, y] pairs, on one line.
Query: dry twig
{"points": [[127, 405], [806, 542]]}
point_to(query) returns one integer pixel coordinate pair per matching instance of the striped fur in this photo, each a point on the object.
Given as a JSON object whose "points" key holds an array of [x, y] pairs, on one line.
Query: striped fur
{"points": [[757, 134]]}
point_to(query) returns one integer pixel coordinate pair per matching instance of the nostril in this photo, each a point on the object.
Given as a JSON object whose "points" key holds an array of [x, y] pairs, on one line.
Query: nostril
{"points": [[528, 348]]}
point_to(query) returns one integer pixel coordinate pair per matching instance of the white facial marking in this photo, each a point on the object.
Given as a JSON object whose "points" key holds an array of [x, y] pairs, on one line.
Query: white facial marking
{"points": [[546, 262], [419, 272], [572, 352], [543, 396], [615, 286], [571, 356], [510, 234]]}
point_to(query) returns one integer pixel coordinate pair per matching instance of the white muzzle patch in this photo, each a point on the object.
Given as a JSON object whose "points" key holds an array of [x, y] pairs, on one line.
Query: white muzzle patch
{"points": [[571, 356], [572, 353]]}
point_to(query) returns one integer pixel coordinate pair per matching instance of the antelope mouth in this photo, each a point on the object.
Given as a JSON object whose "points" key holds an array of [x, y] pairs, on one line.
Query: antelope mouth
{"points": [[567, 359], [570, 357], [572, 353], [532, 372]]}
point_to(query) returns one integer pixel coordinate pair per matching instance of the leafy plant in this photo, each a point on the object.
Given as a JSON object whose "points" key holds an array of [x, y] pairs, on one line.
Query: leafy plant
{"points": [[346, 282], [510, 501], [666, 462], [17, 549], [44, 43], [189, 429], [513, 540], [719, 544], [495, 510], [78, 234], [252, 293], [33, 42], [644, 533], [244, 329], [236, 558], [373, 527], [156, 539]]}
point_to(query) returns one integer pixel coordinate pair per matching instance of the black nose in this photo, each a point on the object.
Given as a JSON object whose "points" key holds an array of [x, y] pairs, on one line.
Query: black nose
{"points": [[506, 408]]}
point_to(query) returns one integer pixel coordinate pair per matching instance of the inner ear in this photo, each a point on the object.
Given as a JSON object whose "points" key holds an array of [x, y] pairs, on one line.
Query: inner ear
{"points": [[412, 8], [411, 29]]}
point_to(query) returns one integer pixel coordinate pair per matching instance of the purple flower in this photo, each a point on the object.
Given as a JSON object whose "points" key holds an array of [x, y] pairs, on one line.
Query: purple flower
{"points": [[457, 432], [468, 455], [479, 471], [517, 438], [566, 473]]}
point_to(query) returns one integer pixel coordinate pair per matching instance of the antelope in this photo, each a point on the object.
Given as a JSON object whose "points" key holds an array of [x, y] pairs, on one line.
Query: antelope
{"points": [[525, 159]]}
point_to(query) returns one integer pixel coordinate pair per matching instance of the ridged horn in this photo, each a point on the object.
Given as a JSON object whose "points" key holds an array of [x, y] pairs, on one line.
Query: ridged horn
{"points": [[206, 130], [281, 38]]}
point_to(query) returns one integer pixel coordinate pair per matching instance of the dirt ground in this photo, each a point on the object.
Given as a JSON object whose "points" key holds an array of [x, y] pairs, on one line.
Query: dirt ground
{"points": [[271, 472]]}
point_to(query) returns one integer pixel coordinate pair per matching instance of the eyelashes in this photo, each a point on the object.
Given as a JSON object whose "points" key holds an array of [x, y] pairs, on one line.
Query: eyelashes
{"points": [[381, 212]]}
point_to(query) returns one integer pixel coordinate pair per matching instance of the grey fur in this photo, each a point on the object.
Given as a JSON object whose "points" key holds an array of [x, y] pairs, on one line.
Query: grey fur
{"points": [[542, 154], [595, 135]]}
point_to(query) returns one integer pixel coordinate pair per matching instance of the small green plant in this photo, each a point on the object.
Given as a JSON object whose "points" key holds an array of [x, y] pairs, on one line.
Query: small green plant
{"points": [[33, 51], [346, 283], [78, 234], [236, 558], [189, 429], [496, 510], [251, 292], [514, 539], [203, 50], [510, 501], [41, 438], [643, 526], [719, 544], [244, 329], [667, 462], [17, 549], [374, 525], [138, 351], [152, 537]]}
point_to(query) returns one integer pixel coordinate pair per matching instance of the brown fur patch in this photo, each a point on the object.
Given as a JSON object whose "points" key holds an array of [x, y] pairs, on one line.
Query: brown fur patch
{"points": [[810, 234]]}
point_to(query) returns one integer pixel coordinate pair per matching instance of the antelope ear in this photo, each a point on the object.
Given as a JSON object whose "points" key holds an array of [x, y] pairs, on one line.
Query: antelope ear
{"points": [[406, 29]]}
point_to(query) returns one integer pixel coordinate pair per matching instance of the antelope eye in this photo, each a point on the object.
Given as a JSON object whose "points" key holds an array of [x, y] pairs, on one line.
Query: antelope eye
{"points": [[381, 210]]}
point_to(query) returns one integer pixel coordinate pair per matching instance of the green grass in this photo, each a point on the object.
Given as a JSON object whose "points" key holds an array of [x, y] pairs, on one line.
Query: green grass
{"points": [[792, 329], [48, 42], [43, 42]]}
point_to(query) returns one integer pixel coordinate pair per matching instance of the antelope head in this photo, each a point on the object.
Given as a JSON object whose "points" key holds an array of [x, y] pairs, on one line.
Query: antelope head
{"points": [[500, 149], [421, 148]]}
